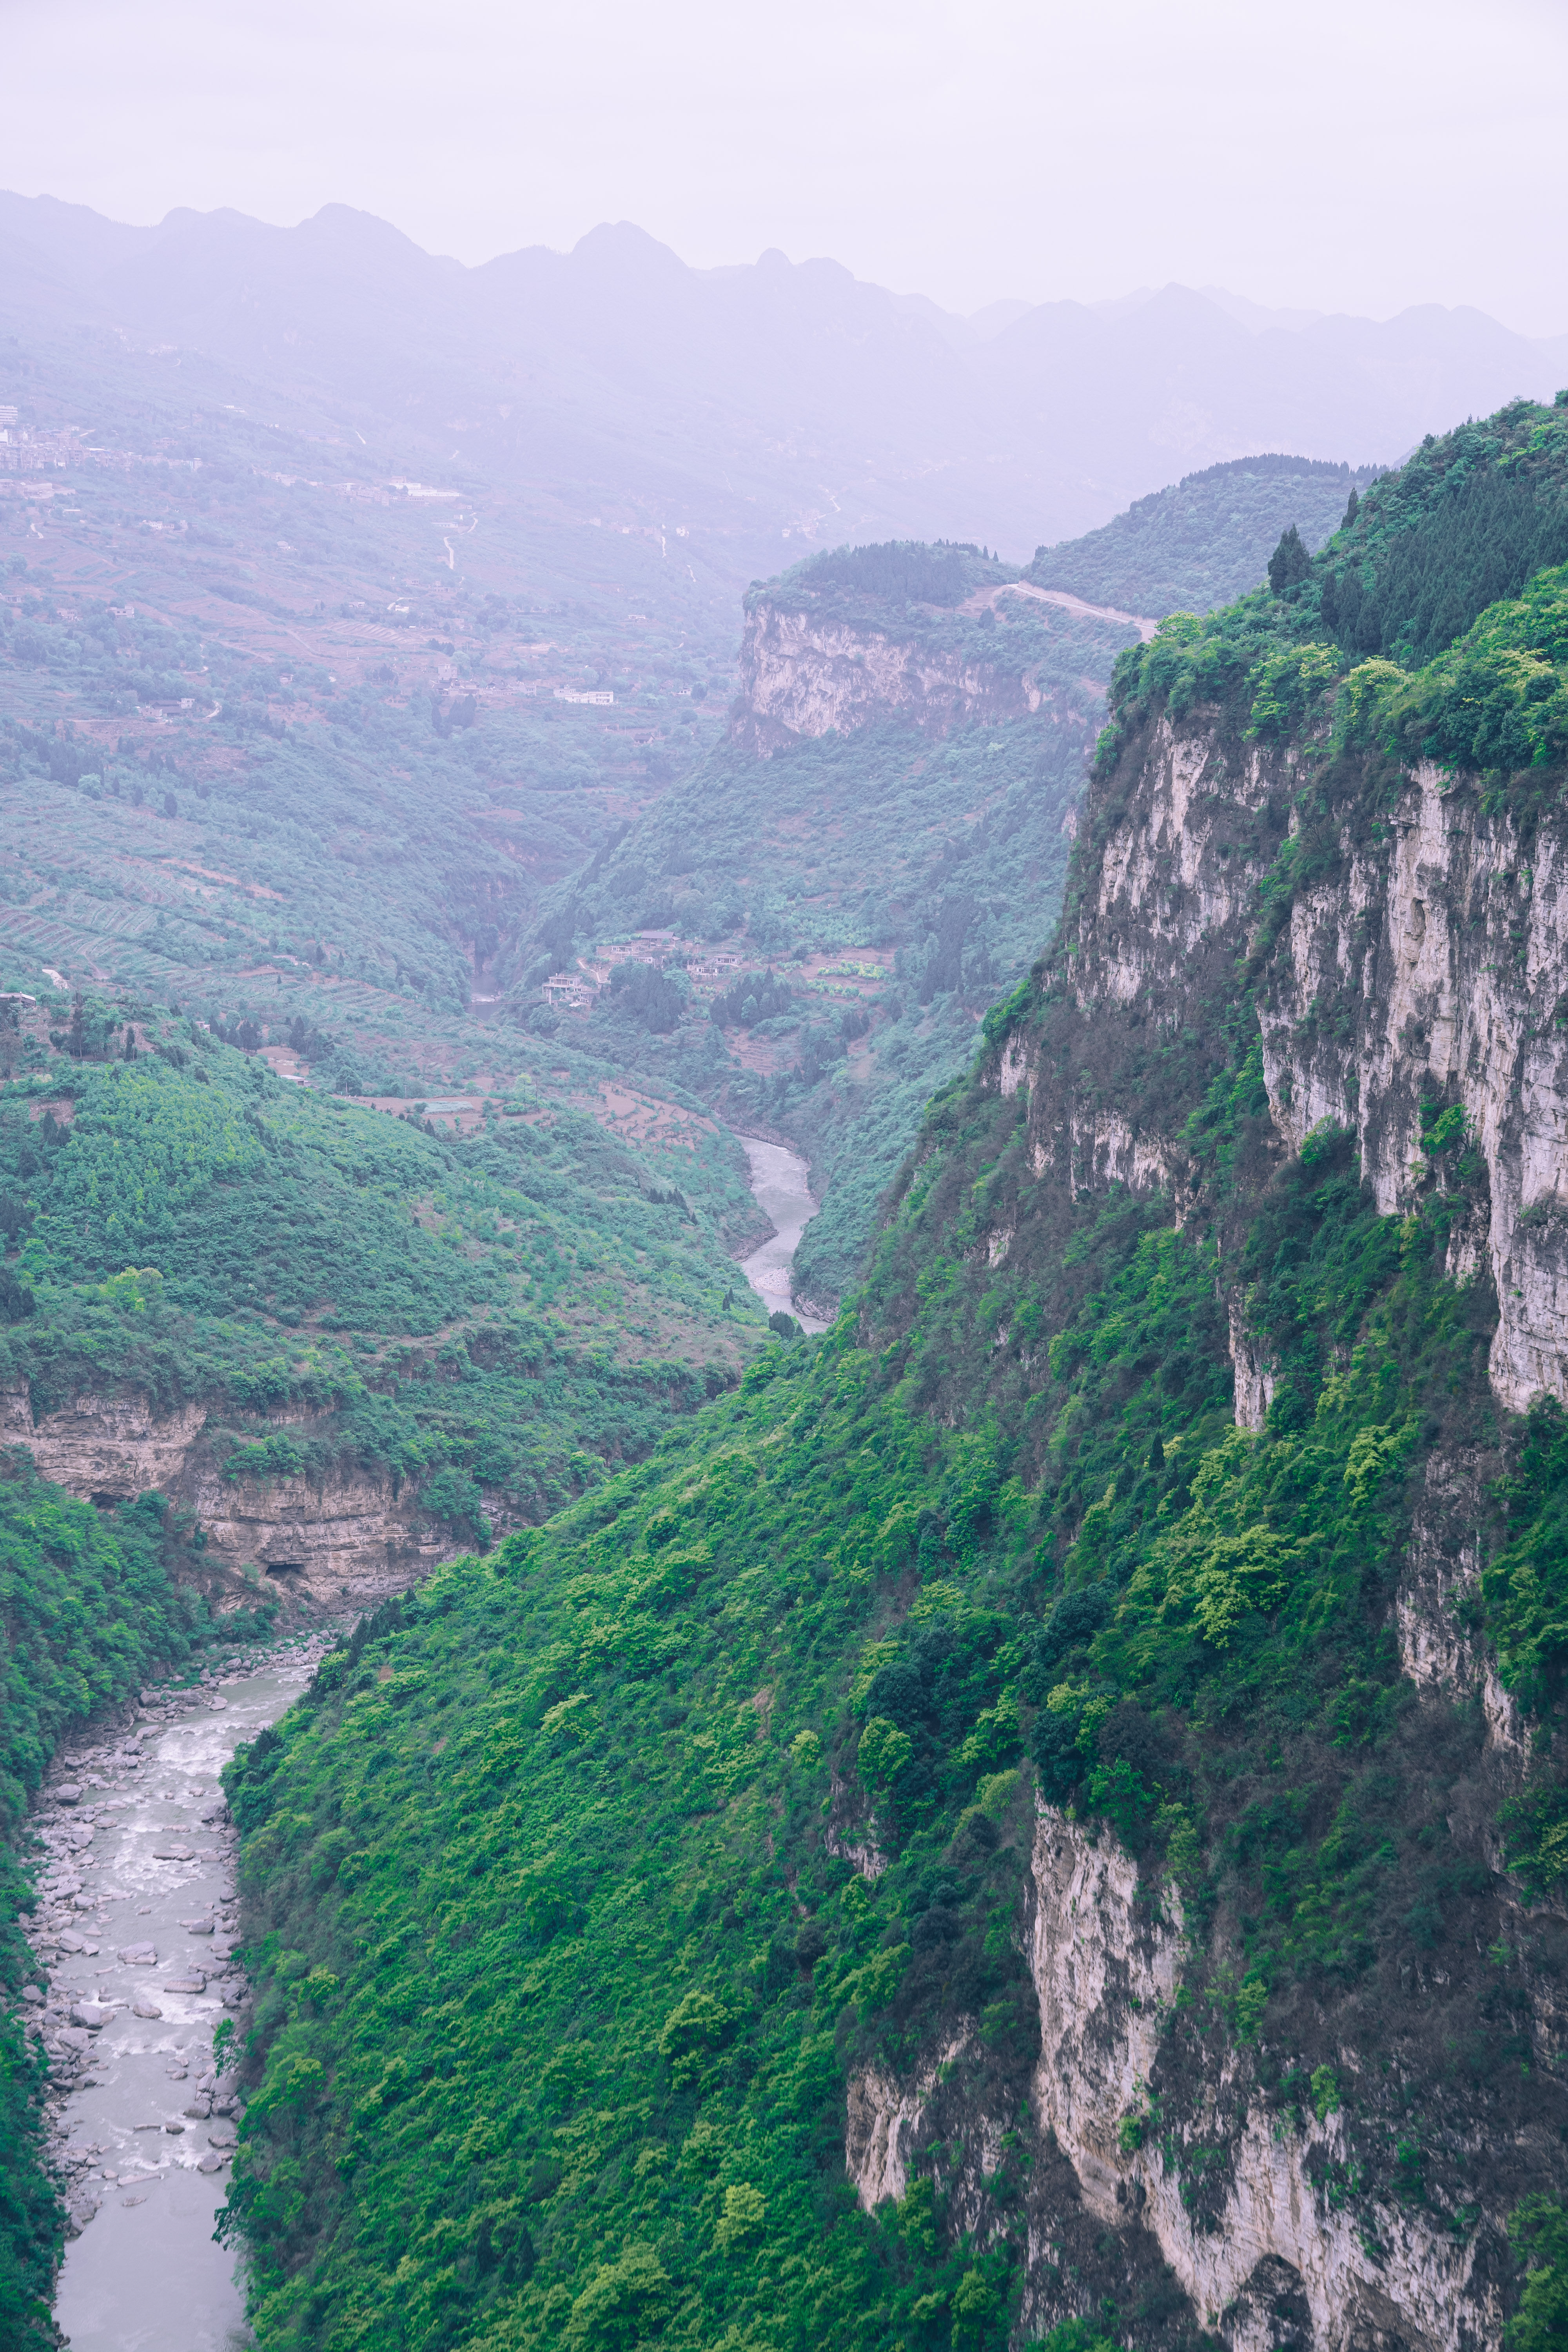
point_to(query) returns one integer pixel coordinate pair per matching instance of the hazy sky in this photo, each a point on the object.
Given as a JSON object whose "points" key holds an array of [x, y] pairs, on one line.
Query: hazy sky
{"points": [[1352, 155]]}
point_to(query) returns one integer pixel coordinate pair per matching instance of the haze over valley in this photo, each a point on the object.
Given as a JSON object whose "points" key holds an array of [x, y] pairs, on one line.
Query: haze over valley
{"points": [[782, 1242]]}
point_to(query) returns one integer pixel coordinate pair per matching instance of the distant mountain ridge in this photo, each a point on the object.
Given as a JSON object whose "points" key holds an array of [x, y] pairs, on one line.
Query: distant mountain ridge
{"points": [[772, 408]]}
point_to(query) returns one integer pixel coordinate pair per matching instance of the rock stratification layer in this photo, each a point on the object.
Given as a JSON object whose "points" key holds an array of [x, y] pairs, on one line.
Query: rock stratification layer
{"points": [[348, 1535], [804, 675]]}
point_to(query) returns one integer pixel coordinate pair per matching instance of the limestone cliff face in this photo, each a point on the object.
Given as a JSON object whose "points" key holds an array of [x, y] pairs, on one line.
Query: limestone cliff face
{"points": [[1428, 965], [1267, 2254], [1442, 954], [1406, 951], [349, 1535], [802, 676], [1106, 1972]]}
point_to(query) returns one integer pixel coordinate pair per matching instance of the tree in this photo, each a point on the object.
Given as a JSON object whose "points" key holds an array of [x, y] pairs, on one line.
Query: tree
{"points": [[1539, 2231], [1289, 562]]}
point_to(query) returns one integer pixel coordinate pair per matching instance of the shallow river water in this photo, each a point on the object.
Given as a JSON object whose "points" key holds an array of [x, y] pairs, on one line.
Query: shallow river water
{"points": [[134, 1927], [780, 1186]]}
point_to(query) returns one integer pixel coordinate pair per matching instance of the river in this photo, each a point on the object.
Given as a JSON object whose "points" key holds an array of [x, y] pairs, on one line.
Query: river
{"points": [[134, 1925], [780, 1186]]}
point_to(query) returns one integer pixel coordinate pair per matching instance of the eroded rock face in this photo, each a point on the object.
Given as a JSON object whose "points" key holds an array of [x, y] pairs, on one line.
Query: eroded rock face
{"points": [[104, 1446], [1447, 957], [1425, 970], [348, 1535], [1434, 1603], [801, 676], [1107, 1970], [886, 2126], [1427, 966]]}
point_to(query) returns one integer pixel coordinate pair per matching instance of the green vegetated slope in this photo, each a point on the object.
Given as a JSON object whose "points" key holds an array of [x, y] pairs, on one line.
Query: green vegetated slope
{"points": [[281, 740], [319, 824], [879, 887], [563, 1971], [1427, 625], [1206, 538], [505, 1312], [90, 1603]]}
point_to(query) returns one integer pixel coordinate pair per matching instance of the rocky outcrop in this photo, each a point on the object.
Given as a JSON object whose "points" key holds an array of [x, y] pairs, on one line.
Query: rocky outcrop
{"points": [[802, 676], [1433, 968], [1423, 969], [105, 1448], [1266, 2253], [1437, 1602], [349, 1535], [886, 2126], [1107, 1970]]}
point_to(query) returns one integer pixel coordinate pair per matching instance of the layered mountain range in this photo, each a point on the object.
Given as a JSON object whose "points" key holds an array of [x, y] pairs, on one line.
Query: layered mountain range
{"points": [[746, 406]]}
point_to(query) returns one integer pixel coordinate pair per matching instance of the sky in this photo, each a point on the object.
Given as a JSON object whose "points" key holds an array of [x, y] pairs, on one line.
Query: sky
{"points": [[1357, 155]]}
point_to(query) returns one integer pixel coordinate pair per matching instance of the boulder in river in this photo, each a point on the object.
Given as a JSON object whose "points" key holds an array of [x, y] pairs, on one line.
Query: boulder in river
{"points": [[93, 2014], [138, 1955], [68, 1793], [145, 2009]]}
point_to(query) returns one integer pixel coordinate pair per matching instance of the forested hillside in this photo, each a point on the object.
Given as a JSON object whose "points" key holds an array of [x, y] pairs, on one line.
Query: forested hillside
{"points": [[616, 1895], [1205, 541], [492, 1317]]}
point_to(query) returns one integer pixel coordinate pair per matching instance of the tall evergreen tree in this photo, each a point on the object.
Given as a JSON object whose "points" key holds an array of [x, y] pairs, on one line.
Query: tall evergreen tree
{"points": [[1289, 562]]}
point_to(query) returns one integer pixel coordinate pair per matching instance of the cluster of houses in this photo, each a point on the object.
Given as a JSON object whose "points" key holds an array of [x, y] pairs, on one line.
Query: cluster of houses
{"points": [[709, 968]]}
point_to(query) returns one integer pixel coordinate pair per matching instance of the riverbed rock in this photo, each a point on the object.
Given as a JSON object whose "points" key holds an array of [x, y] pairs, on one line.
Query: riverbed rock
{"points": [[147, 2009], [139, 1955], [69, 1793], [93, 2014], [223, 2135], [212, 2161]]}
